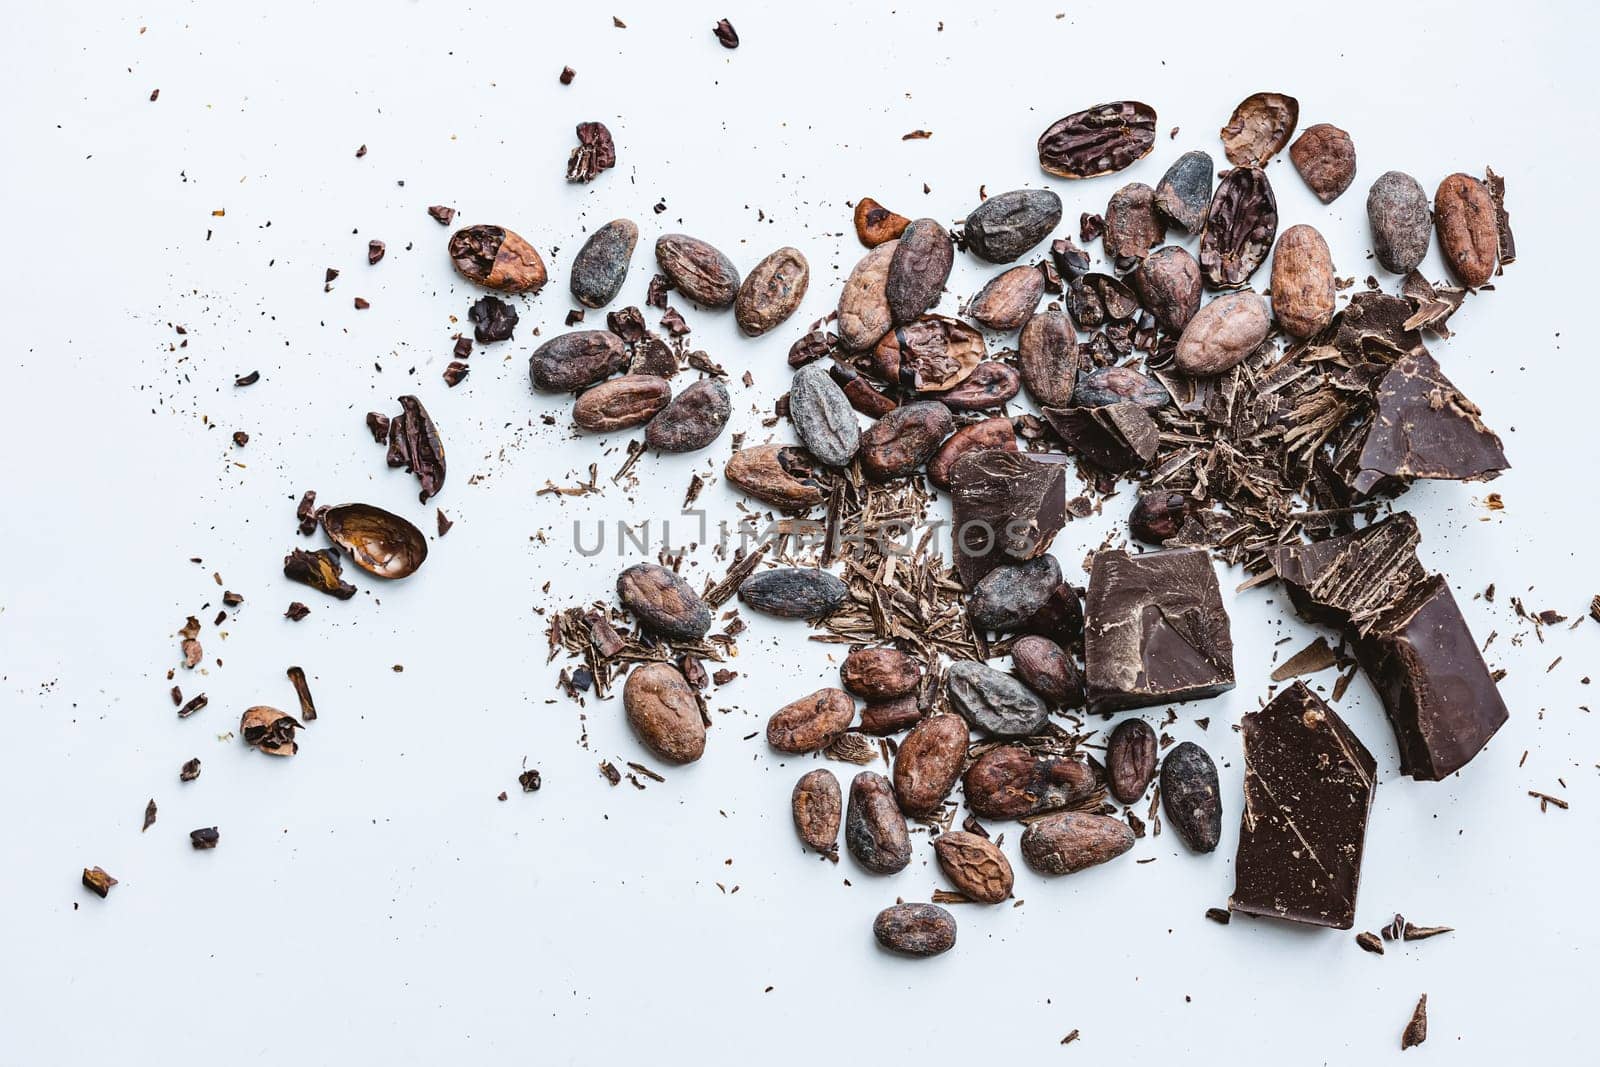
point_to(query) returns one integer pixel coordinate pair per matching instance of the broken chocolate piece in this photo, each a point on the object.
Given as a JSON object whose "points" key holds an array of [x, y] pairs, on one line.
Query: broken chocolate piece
{"points": [[1155, 630], [1308, 783], [1117, 438], [1007, 508]]}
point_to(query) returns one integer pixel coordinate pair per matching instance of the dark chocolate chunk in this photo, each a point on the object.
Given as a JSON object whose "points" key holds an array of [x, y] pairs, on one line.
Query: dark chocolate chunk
{"points": [[1006, 507], [1308, 783], [1118, 438], [1155, 630]]}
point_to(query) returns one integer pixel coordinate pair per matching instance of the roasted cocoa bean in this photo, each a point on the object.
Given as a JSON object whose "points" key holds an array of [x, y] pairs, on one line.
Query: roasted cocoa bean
{"points": [[862, 394], [1223, 333], [1469, 238], [975, 866], [1259, 128], [1069, 841], [772, 291], [794, 592], [995, 703], [1007, 299], [1402, 228], [496, 258], [664, 713], [1132, 226], [1012, 593], [601, 265], [811, 723], [1130, 759], [1326, 159], [1047, 669], [904, 439], [664, 602], [1191, 796], [781, 475], [692, 419], [874, 828], [890, 716], [879, 673], [978, 436], [1183, 196], [876, 224], [1239, 229], [1302, 282], [1100, 140], [1047, 353], [930, 355], [1104, 386], [990, 385], [1158, 515], [915, 929], [631, 400], [1169, 285], [928, 763], [1012, 782], [1006, 225], [1061, 617], [576, 360], [697, 270], [818, 805], [918, 270], [822, 416], [864, 303]]}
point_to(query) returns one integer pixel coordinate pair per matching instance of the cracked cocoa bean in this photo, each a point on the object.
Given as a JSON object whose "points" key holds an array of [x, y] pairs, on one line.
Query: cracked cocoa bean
{"points": [[692, 419], [811, 723], [818, 805], [1223, 333], [1099, 140], [915, 929], [1302, 282], [772, 291], [1007, 299], [496, 258], [874, 827], [697, 270], [1191, 796], [1013, 782], [781, 475], [995, 703], [1005, 226], [1402, 227], [1183, 196], [879, 673], [794, 592], [1169, 285], [631, 400], [664, 713], [918, 270], [928, 763], [576, 360], [601, 265], [864, 302], [1469, 237], [1070, 841], [990, 385], [930, 355], [1259, 128], [1130, 760], [995, 433], [1047, 353], [664, 602], [822, 416], [1326, 159], [1133, 227], [1239, 229], [904, 439], [1047, 669], [975, 866]]}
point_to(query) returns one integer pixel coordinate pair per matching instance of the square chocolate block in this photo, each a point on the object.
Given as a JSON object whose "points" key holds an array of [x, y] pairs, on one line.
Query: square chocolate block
{"points": [[1155, 630]]}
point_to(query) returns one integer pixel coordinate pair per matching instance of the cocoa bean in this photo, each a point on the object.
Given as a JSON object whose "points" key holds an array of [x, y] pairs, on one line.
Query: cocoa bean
{"points": [[1469, 238], [918, 270], [692, 419], [1169, 285], [1012, 782], [904, 439], [1132, 226], [890, 716], [496, 258], [781, 475], [601, 265], [1158, 515], [1045, 667], [995, 703], [1047, 353], [879, 673], [1302, 282], [1007, 299], [864, 303], [990, 385], [697, 270], [1402, 228], [1326, 158], [1130, 759], [664, 713], [915, 929], [772, 291], [1223, 333], [794, 592], [974, 865], [1240, 227], [664, 602], [1098, 140], [928, 763], [1184, 194], [630, 400], [874, 828], [822, 416], [811, 723], [1191, 796], [576, 360], [1005, 226], [1069, 841], [930, 355], [818, 805], [1105, 386], [978, 436], [1013, 593]]}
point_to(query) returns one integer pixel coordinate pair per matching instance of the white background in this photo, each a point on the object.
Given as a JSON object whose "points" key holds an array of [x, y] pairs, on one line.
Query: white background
{"points": [[372, 900]]}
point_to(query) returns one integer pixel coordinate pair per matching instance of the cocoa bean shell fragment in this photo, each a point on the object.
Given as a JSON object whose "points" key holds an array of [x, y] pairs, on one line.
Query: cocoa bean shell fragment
{"points": [[1133, 226], [380, 542], [320, 570], [876, 224], [698, 270], [930, 355], [1071, 841], [1099, 140], [1259, 128], [915, 929], [270, 730], [990, 385]]}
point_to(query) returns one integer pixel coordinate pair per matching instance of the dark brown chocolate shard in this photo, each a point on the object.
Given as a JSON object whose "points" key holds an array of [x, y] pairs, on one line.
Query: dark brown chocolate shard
{"points": [[1007, 508], [1352, 579], [1422, 427], [1155, 630], [1118, 438], [1308, 783]]}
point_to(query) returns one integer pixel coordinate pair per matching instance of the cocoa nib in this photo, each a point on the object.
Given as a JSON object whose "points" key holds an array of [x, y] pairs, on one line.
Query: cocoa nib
{"points": [[595, 152], [414, 444]]}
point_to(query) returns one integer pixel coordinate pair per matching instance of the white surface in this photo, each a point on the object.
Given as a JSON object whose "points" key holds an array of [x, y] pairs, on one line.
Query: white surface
{"points": [[371, 899]]}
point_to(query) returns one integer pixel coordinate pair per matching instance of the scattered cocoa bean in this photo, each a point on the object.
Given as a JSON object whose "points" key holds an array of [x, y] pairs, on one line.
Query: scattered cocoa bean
{"points": [[876, 224], [1013, 593], [1469, 238], [1130, 759], [918, 270], [1223, 333], [576, 360], [904, 439], [781, 475], [818, 805], [811, 723], [772, 291], [631, 400], [974, 865], [1047, 669], [978, 436], [1302, 282], [1402, 227], [864, 302], [1070, 841], [664, 713], [692, 419], [822, 416], [664, 602], [794, 592], [915, 929], [496, 258], [1326, 158], [601, 265], [1006, 225], [879, 673], [697, 270], [990, 385], [1012, 782], [1047, 353], [874, 828], [890, 716], [928, 763], [1133, 227], [995, 703], [1191, 796], [1169, 285], [1007, 299], [1183, 196]]}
